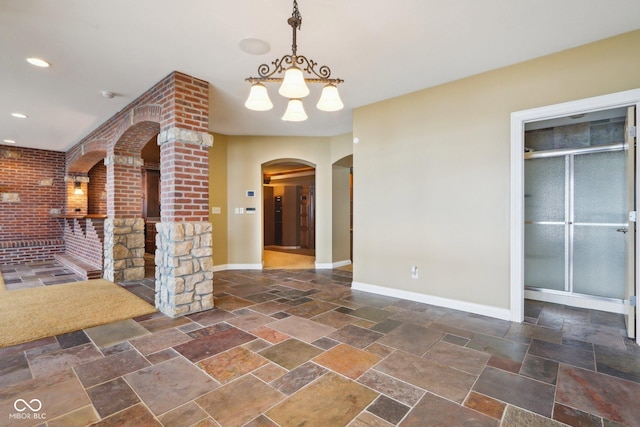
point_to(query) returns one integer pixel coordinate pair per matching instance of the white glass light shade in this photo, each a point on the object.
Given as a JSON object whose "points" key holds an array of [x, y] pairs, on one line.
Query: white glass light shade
{"points": [[330, 99], [258, 98], [293, 85], [295, 111], [77, 188]]}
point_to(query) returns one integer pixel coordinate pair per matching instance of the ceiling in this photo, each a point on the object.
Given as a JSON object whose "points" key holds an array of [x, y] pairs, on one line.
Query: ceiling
{"points": [[381, 49]]}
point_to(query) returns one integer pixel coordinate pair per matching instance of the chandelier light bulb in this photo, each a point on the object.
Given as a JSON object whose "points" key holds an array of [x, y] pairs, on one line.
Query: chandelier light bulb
{"points": [[258, 98], [295, 111], [330, 99], [293, 85]]}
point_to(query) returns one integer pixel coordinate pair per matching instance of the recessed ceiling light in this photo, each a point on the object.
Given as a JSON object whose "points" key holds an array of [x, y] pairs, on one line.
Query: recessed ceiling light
{"points": [[19, 115], [9, 141], [38, 62]]}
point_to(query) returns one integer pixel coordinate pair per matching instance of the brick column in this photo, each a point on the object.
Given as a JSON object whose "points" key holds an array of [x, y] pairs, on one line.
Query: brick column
{"points": [[124, 227], [184, 267]]}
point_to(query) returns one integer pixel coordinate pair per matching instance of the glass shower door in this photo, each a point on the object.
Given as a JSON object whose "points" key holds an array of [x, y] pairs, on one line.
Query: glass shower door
{"points": [[576, 209], [545, 223], [600, 224]]}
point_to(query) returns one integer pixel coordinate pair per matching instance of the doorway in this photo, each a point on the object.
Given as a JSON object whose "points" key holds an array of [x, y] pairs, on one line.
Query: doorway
{"points": [[151, 201], [576, 209], [289, 215], [573, 206]]}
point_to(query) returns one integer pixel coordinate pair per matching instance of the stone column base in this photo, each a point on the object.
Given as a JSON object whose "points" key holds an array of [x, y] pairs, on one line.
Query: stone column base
{"points": [[184, 267], [123, 249]]}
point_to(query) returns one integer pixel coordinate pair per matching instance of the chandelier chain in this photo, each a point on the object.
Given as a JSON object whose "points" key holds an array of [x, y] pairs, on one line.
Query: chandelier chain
{"points": [[296, 23]]}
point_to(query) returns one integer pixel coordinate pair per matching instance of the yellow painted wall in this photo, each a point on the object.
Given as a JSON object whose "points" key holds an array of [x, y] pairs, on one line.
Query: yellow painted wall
{"points": [[245, 157], [432, 170], [341, 238], [218, 197]]}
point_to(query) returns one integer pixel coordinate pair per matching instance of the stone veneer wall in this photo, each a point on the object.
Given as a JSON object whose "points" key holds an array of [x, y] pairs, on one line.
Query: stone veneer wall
{"points": [[184, 267], [124, 249]]}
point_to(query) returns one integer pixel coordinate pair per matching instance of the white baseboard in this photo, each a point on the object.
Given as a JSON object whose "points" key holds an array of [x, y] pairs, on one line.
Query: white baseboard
{"points": [[223, 267], [332, 265], [484, 310], [323, 266], [319, 266], [342, 263]]}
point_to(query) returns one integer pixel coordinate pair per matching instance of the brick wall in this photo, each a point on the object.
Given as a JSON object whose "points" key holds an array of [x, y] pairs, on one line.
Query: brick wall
{"points": [[37, 177], [31, 184], [83, 238], [97, 191], [177, 101], [125, 184], [37, 250], [191, 103], [185, 183]]}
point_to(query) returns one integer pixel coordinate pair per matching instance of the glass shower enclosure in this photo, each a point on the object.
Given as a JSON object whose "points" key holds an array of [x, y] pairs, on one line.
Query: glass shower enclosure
{"points": [[576, 221], [578, 189]]}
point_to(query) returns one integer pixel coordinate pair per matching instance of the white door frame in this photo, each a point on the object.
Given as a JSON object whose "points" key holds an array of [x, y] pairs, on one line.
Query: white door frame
{"points": [[518, 121]]}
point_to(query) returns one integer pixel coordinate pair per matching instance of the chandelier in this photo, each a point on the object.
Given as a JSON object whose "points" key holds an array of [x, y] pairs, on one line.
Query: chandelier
{"points": [[294, 83]]}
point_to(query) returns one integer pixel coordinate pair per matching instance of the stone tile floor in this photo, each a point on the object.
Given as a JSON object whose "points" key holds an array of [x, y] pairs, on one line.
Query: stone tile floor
{"points": [[300, 348], [36, 274]]}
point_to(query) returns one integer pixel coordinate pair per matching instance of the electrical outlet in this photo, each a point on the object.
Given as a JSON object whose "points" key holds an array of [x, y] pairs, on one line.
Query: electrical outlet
{"points": [[414, 272]]}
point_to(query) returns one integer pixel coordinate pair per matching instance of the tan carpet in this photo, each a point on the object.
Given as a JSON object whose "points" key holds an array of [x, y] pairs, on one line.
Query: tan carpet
{"points": [[34, 313]]}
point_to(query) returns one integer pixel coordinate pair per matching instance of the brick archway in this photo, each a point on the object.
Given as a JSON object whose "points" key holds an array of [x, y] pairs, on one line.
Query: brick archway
{"points": [[124, 164], [82, 158], [177, 109]]}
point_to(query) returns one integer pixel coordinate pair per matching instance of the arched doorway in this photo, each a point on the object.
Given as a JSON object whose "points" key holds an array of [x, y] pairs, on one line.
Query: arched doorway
{"points": [[289, 214]]}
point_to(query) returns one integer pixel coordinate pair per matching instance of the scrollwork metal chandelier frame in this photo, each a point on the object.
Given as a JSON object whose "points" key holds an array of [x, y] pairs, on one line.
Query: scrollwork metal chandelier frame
{"points": [[290, 70], [266, 73]]}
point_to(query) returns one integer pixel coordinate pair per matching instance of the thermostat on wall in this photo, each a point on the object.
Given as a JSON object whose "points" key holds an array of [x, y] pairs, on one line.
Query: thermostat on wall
{"points": [[251, 193], [250, 211]]}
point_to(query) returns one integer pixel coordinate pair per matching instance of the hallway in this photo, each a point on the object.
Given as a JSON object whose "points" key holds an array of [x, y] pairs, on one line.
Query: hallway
{"points": [[286, 347]]}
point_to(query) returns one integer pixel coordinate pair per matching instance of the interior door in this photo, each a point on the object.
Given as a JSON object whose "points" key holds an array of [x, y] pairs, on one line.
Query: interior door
{"points": [[630, 289]]}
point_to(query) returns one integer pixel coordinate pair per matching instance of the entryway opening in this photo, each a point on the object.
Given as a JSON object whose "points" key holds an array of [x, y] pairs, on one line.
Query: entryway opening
{"points": [[574, 187], [289, 214], [151, 197]]}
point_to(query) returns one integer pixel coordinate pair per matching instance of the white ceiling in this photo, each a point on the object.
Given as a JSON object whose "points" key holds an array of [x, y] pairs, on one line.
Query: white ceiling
{"points": [[380, 48]]}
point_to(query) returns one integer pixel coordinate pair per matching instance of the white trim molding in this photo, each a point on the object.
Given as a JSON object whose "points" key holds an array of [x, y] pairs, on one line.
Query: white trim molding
{"points": [[332, 265], [484, 310], [224, 267]]}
